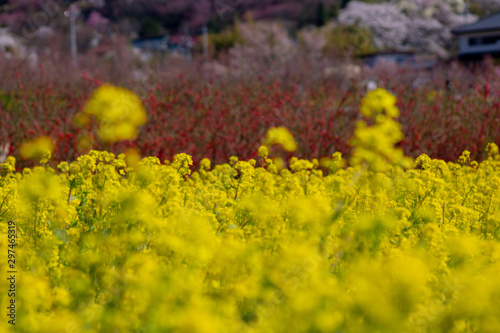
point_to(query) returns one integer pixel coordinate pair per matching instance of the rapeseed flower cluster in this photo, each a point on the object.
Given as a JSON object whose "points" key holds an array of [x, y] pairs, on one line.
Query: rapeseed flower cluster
{"points": [[118, 112], [39, 149], [374, 146], [379, 102], [280, 136], [110, 245]]}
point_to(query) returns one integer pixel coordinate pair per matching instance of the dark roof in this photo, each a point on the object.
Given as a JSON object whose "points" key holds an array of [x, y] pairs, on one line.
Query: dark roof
{"points": [[153, 44], [472, 57], [489, 23], [388, 53], [405, 60]]}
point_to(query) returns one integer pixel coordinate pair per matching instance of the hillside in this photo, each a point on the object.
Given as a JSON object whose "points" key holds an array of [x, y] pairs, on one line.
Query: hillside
{"points": [[422, 26]]}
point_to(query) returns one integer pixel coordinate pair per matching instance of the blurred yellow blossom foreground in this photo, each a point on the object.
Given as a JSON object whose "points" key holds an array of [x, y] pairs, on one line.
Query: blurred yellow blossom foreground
{"points": [[281, 136], [118, 112], [384, 245], [40, 148]]}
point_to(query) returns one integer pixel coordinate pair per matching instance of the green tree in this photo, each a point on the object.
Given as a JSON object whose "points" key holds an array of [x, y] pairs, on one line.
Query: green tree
{"points": [[350, 40], [344, 3], [150, 28], [320, 14]]}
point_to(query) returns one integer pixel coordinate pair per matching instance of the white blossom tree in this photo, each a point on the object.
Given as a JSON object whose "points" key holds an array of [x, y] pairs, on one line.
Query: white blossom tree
{"points": [[419, 25], [263, 44]]}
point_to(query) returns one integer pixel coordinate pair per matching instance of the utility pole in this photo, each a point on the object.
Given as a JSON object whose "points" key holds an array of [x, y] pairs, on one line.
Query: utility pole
{"points": [[467, 12], [205, 41], [188, 44], [72, 12]]}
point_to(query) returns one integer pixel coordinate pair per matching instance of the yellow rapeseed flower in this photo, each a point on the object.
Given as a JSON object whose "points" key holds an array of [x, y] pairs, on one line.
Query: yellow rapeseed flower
{"points": [[281, 136], [374, 145], [205, 164], [241, 246], [263, 151], [41, 147], [132, 157], [377, 102], [118, 112], [492, 150], [464, 159]]}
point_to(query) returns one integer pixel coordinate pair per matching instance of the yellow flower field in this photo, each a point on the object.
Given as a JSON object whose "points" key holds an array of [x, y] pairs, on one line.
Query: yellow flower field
{"points": [[379, 243]]}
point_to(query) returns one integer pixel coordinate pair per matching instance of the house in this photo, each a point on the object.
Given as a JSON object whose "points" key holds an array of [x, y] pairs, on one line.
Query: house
{"points": [[403, 60], [158, 44], [479, 39], [180, 45]]}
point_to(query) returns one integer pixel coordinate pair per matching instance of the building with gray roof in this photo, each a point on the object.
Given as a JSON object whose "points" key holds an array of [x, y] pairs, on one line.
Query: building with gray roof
{"points": [[480, 38]]}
